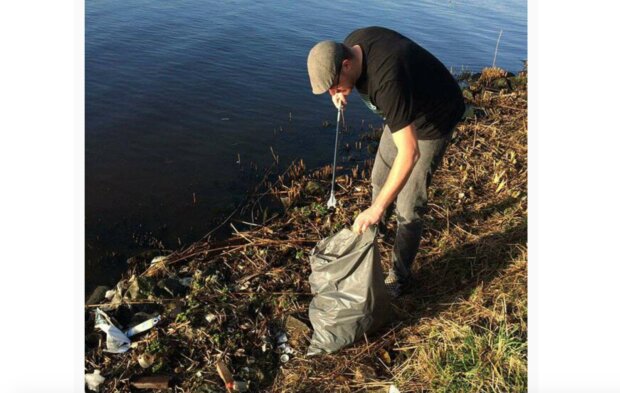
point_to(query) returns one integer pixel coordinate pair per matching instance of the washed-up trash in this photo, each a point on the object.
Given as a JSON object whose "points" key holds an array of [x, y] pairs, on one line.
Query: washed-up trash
{"points": [[210, 317], [240, 386], [285, 348], [146, 360], [144, 326], [159, 260], [157, 265], [281, 338], [225, 374], [284, 358], [116, 340], [350, 295], [94, 380], [393, 389], [151, 382], [110, 294]]}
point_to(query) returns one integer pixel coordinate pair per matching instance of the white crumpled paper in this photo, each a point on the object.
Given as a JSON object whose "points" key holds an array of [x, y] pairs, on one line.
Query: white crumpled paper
{"points": [[94, 380]]}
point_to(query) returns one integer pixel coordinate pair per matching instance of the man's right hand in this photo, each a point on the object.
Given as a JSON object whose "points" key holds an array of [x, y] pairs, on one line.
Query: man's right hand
{"points": [[339, 99]]}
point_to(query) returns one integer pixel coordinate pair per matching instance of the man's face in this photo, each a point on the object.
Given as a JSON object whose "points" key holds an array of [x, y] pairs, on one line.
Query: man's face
{"points": [[343, 84]]}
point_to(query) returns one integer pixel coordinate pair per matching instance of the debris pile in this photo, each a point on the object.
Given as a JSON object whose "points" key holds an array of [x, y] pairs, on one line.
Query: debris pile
{"points": [[233, 315]]}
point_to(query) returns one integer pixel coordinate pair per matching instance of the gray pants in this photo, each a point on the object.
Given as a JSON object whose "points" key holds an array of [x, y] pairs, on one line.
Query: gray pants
{"points": [[411, 202]]}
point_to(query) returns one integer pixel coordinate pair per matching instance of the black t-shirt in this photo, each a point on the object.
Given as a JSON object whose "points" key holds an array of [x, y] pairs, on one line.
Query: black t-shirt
{"points": [[404, 83]]}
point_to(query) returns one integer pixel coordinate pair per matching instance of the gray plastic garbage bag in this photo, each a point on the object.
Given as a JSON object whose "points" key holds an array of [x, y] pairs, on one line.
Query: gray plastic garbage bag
{"points": [[350, 298]]}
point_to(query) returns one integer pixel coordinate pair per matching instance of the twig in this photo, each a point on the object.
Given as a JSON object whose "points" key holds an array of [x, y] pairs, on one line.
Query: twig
{"points": [[270, 293], [497, 46], [136, 302]]}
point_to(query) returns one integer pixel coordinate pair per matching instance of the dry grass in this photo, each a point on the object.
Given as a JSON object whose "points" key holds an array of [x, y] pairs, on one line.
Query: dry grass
{"points": [[491, 73], [462, 329]]}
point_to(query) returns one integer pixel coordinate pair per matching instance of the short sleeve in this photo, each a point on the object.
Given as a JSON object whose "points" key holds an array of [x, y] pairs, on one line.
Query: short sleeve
{"points": [[396, 102]]}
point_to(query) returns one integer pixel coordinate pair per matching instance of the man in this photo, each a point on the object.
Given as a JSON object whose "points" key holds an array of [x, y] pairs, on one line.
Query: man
{"points": [[420, 103]]}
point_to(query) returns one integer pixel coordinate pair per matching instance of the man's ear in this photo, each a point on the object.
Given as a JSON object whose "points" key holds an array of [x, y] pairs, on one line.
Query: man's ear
{"points": [[346, 64]]}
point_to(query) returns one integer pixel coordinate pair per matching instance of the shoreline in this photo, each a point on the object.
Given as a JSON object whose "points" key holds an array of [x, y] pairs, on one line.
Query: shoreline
{"points": [[227, 301]]}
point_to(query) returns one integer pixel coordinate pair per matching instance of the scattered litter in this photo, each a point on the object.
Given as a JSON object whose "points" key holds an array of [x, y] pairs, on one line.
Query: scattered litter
{"points": [[393, 389], [152, 382], [285, 348], [240, 386], [281, 338], [146, 360], [225, 374], [159, 260], [271, 272], [116, 341], [144, 326], [94, 380], [110, 294]]}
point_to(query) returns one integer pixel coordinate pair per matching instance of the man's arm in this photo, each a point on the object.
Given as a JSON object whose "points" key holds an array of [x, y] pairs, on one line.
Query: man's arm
{"points": [[406, 142]]}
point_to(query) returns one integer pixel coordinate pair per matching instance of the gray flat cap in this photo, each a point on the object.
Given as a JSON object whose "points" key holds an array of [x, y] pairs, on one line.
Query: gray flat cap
{"points": [[324, 61]]}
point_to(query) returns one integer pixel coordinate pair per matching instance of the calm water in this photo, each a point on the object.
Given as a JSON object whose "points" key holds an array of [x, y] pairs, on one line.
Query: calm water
{"points": [[176, 91]]}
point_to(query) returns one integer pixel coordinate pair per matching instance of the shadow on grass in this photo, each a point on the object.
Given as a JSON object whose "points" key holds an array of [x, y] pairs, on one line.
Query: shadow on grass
{"points": [[444, 279]]}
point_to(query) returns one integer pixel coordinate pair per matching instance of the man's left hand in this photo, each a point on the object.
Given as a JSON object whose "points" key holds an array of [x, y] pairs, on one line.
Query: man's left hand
{"points": [[368, 217]]}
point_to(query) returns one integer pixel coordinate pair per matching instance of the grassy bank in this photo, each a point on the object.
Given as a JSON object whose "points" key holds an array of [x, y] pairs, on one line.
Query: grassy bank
{"points": [[463, 328]]}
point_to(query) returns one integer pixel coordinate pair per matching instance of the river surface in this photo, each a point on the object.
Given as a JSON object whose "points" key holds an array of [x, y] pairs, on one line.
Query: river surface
{"points": [[181, 96]]}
